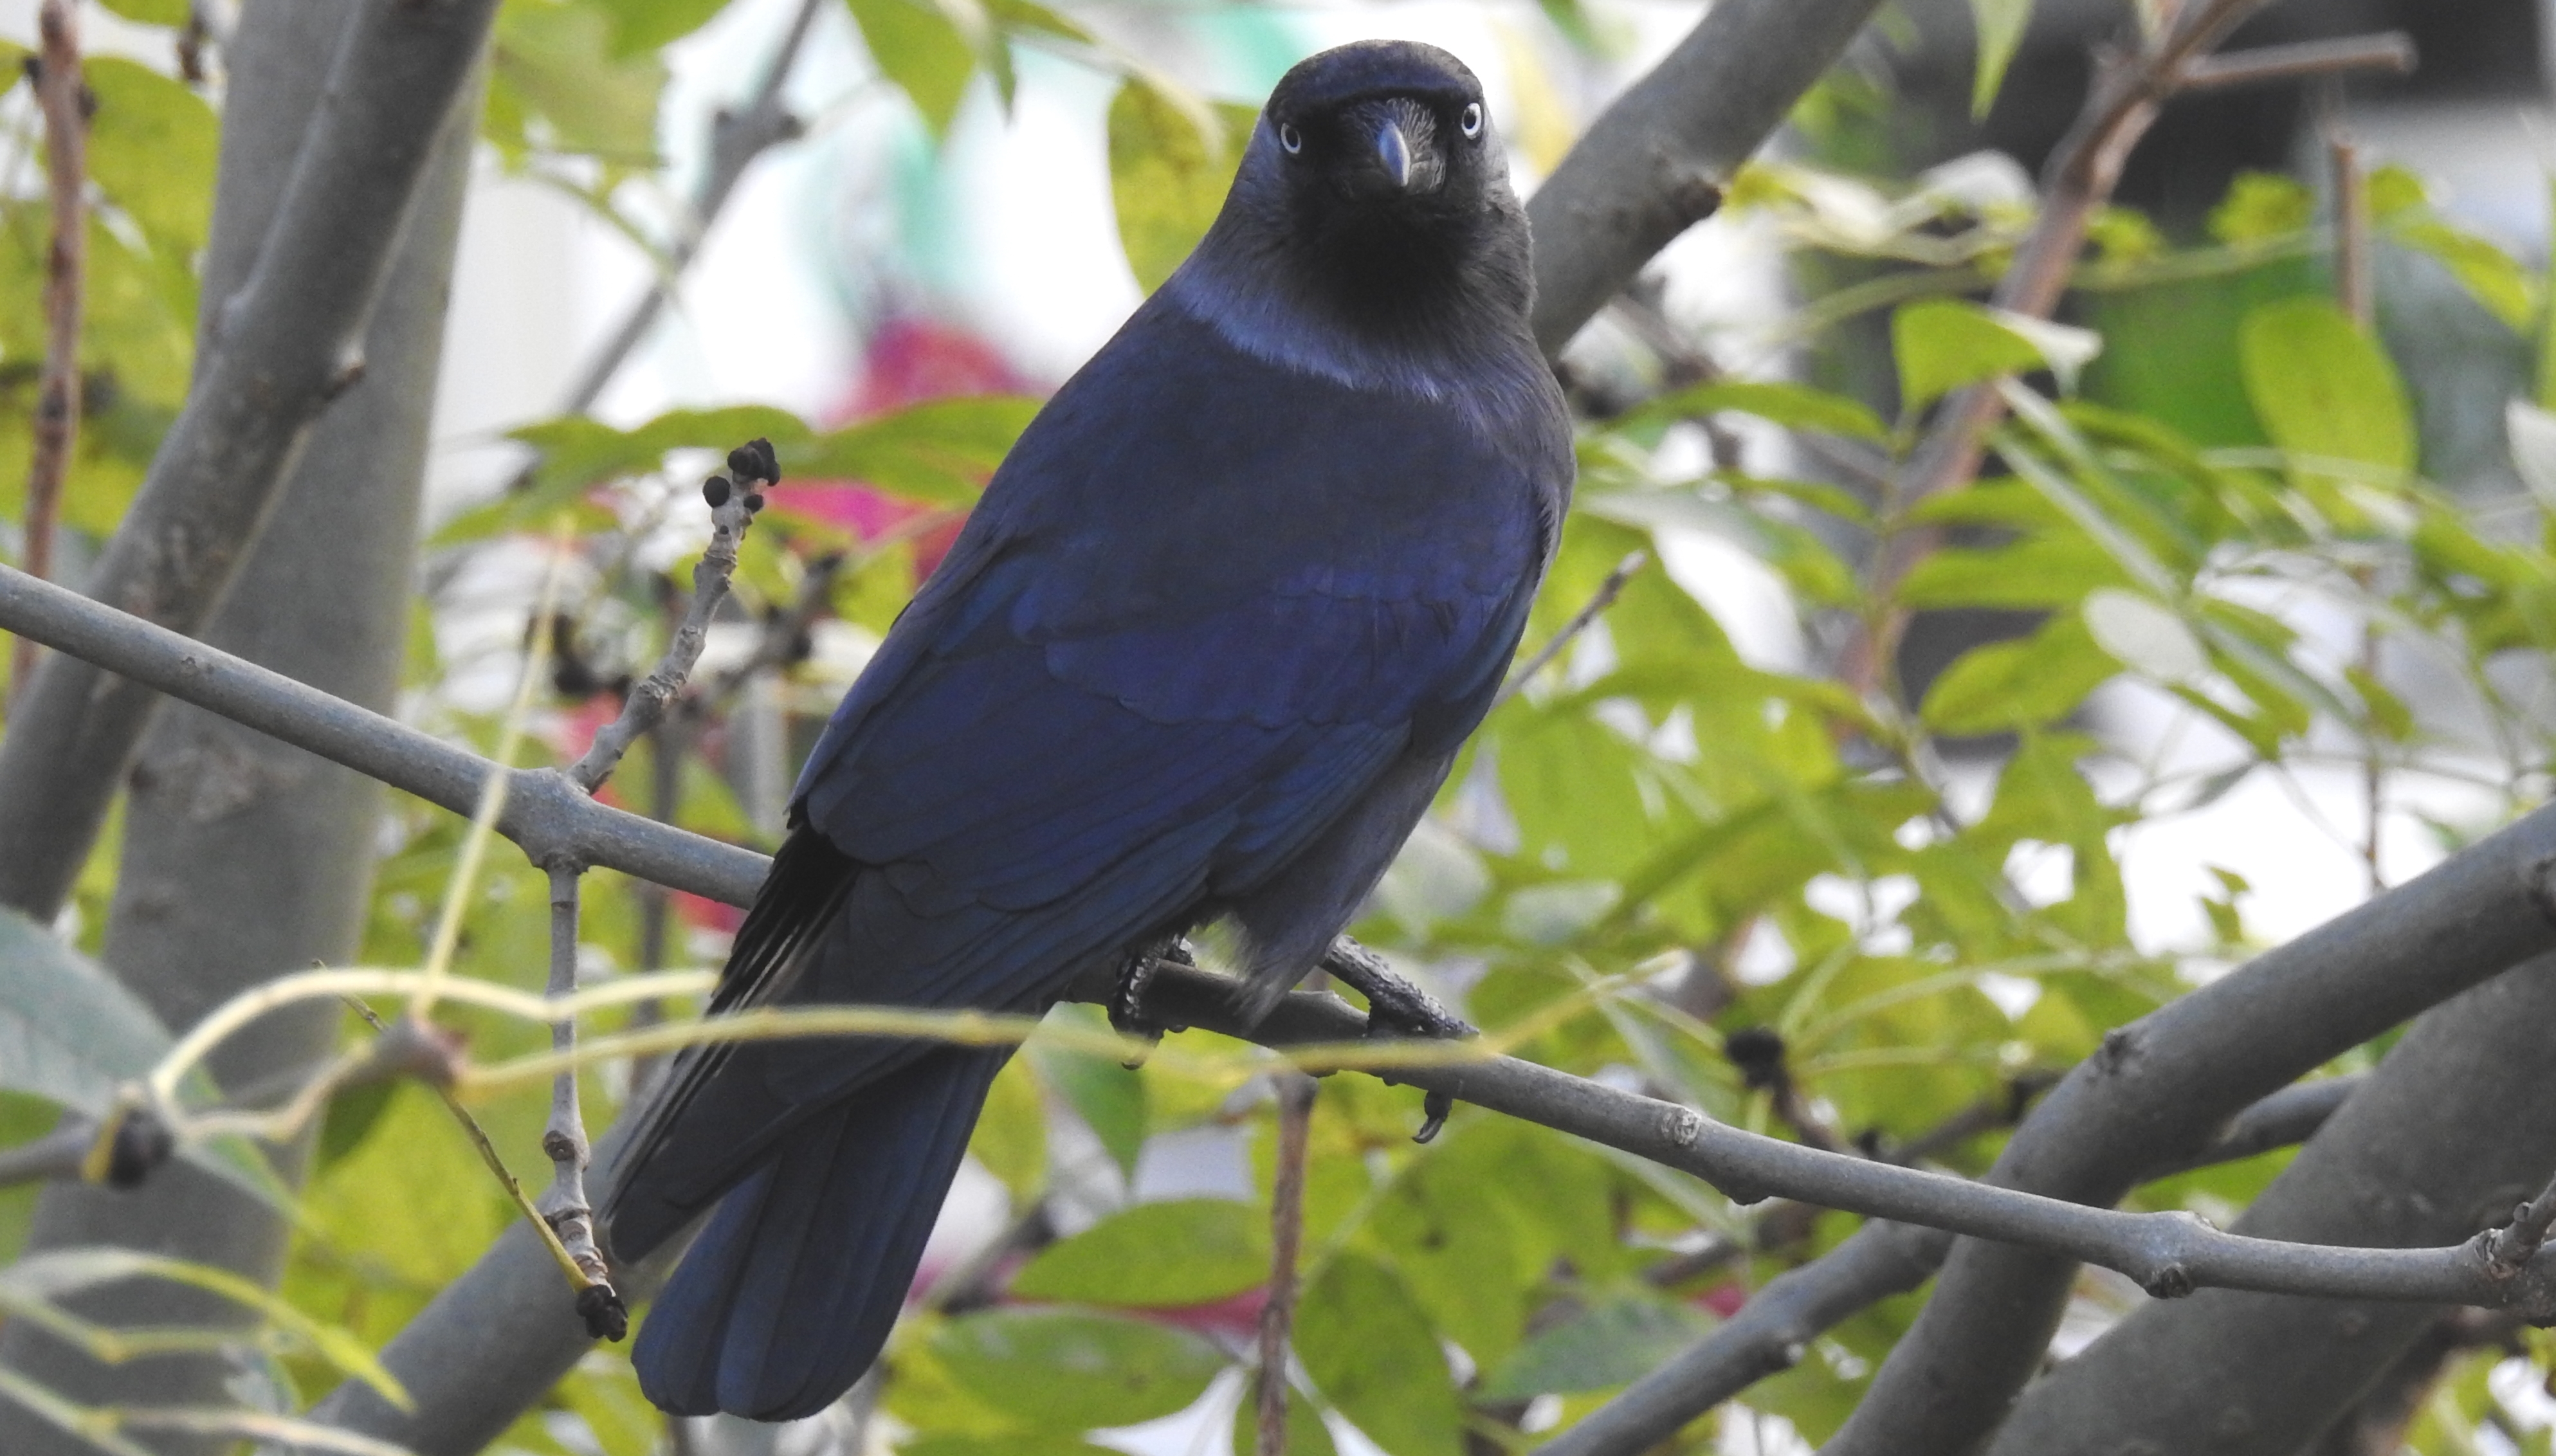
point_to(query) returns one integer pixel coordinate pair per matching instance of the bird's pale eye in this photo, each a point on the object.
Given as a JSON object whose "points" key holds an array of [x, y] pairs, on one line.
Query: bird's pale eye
{"points": [[1290, 138], [1472, 121]]}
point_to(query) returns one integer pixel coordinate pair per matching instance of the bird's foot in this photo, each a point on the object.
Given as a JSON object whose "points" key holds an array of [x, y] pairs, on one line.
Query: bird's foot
{"points": [[1396, 1008], [1127, 1005]]}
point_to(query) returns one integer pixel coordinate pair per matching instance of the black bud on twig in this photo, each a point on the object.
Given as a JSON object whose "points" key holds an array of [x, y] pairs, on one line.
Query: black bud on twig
{"points": [[142, 1143], [1758, 1054], [87, 102], [753, 501], [754, 460], [34, 65], [605, 1316], [714, 490]]}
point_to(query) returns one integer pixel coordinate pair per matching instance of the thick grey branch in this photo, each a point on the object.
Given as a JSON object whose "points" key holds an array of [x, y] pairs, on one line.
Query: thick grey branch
{"points": [[272, 357], [2457, 1123], [1772, 1330], [1657, 161]]}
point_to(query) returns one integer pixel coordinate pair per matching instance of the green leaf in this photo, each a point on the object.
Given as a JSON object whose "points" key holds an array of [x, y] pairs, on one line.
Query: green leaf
{"points": [[1793, 405], [940, 452], [1011, 1133], [577, 453], [2038, 571], [1171, 159], [69, 1032], [922, 48], [647, 25], [1184, 1251], [2000, 25], [2261, 206], [1009, 1443], [2323, 388], [151, 150], [2493, 277], [557, 84], [1306, 1433], [1072, 1370], [1371, 1353], [2011, 684], [1108, 1097], [1943, 344], [1453, 1252], [1610, 1344], [171, 13]]}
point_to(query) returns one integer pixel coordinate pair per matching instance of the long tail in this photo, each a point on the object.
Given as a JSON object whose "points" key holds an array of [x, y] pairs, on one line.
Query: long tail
{"points": [[792, 1288]]}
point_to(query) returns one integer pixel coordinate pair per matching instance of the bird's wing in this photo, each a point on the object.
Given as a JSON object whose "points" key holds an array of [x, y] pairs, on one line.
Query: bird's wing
{"points": [[1174, 643]]}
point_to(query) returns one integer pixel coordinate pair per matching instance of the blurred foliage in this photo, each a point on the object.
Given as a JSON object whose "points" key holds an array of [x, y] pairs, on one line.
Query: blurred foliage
{"points": [[2210, 501]]}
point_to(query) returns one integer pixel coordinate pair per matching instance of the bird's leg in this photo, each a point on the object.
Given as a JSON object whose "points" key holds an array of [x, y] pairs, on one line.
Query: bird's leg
{"points": [[1395, 1007], [1128, 1004]]}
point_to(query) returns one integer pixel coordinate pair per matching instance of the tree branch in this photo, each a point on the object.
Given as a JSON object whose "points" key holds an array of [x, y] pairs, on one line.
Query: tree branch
{"points": [[2456, 1122], [1658, 160], [274, 356], [65, 103], [2077, 182], [1295, 1096], [733, 507], [563, 1204]]}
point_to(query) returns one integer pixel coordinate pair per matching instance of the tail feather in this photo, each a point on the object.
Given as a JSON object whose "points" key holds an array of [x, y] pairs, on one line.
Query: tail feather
{"points": [[791, 1290]]}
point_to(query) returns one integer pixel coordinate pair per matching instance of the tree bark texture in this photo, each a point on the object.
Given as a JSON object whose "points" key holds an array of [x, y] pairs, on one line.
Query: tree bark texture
{"points": [[2455, 1127], [276, 352], [242, 857]]}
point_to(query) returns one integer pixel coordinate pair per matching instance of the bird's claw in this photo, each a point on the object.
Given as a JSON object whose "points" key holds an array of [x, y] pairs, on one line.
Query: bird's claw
{"points": [[1128, 1006], [1396, 1008], [1434, 1111]]}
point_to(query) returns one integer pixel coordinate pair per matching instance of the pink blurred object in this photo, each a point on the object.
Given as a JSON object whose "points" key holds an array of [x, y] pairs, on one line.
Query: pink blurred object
{"points": [[910, 360]]}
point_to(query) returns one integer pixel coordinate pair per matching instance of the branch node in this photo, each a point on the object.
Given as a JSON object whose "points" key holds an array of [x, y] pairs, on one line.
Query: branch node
{"points": [[2122, 1046], [1681, 1126]]}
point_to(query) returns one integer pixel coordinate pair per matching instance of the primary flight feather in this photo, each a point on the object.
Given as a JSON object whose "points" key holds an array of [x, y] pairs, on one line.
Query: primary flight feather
{"points": [[1205, 650]]}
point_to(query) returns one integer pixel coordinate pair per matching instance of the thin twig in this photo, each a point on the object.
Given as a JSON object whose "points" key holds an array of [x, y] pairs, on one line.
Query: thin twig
{"points": [[2391, 51], [2077, 182], [732, 507], [496, 1164], [1296, 1093], [65, 103], [563, 1204], [2510, 1248], [737, 137], [1598, 601], [2351, 287]]}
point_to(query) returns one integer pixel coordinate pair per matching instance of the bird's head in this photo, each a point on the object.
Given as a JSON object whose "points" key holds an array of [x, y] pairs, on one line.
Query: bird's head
{"points": [[1375, 187]]}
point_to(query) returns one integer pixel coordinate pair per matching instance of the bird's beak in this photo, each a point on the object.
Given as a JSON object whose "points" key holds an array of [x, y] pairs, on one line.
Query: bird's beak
{"points": [[1393, 151]]}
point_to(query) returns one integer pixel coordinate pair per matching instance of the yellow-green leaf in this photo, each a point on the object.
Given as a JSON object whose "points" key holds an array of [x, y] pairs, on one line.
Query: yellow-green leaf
{"points": [[1184, 1251], [2323, 388], [2000, 25], [1171, 159]]}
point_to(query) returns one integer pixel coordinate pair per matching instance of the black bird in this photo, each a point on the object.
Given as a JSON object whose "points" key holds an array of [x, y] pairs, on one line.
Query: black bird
{"points": [[1205, 651]]}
